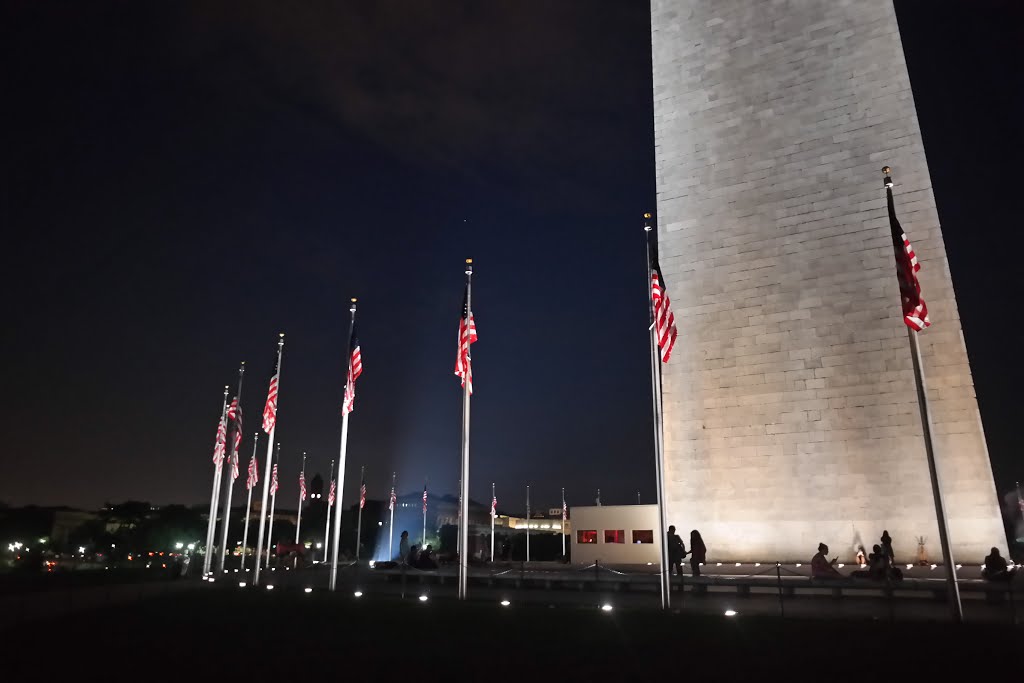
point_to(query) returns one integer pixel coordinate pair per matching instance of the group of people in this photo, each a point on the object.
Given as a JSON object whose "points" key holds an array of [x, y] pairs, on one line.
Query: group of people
{"points": [[413, 556], [677, 552]]}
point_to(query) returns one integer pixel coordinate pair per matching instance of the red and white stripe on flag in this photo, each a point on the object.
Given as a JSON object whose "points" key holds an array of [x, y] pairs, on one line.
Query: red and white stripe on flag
{"points": [[664, 318], [273, 480], [220, 444], [355, 368], [467, 336], [494, 506], [424, 498], [330, 496], [915, 310], [391, 504], [270, 409], [253, 473], [302, 486], [565, 511], [362, 495], [235, 415], [234, 466]]}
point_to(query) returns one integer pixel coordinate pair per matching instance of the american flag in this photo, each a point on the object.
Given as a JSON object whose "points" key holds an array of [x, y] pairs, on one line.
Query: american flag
{"points": [[494, 506], [235, 414], [330, 496], [302, 486], [273, 480], [424, 498], [664, 318], [467, 335], [221, 442], [234, 466], [362, 495], [270, 410], [565, 511], [915, 311], [391, 505], [355, 368], [253, 473]]}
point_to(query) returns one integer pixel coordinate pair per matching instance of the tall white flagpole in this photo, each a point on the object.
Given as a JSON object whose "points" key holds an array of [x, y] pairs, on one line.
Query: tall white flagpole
{"points": [[467, 394], [359, 514], [266, 471], [458, 536], [233, 462], [956, 608], [527, 522], [211, 523], [302, 491], [343, 451], [659, 430], [248, 505], [423, 543], [391, 524], [493, 514], [562, 527], [327, 524]]}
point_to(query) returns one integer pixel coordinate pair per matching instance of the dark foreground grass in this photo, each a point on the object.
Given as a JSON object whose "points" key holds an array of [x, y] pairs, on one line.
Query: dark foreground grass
{"points": [[289, 636]]}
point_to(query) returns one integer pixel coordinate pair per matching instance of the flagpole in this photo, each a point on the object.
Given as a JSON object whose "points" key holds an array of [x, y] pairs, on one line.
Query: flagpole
{"points": [[494, 512], [248, 507], [458, 536], [266, 475], [273, 506], [232, 461], [956, 609], [391, 524], [423, 543], [343, 451], [327, 524], [466, 397], [298, 521], [211, 524], [659, 430], [527, 522], [562, 528], [359, 514]]}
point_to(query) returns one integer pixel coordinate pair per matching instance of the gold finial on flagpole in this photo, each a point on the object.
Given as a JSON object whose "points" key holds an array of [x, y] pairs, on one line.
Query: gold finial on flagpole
{"points": [[888, 179]]}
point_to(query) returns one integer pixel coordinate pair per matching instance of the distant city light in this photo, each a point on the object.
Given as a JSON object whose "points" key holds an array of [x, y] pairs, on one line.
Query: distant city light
{"points": [[179, 546], [81, 549], [191, 546]]}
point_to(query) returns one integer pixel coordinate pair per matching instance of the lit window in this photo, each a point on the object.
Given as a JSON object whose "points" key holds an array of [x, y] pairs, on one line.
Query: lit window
{"points": [[643, 536], [588, 536], [614, 536]]}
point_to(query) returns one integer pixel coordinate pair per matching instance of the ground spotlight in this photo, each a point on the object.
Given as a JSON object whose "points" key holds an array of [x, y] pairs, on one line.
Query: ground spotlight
{"points": [[373, 563], [910, 566], [606, 607], [359, 594], [212, 579], [270, 586], [308, 590], [730, 612], [505, 603], [934, 566], [241, 584], [423, 598]]}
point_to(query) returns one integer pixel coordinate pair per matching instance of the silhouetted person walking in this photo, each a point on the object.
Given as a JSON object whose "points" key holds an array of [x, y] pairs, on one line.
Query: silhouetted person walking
{"points": [[698, 552], [887, 546], [676, 552]]}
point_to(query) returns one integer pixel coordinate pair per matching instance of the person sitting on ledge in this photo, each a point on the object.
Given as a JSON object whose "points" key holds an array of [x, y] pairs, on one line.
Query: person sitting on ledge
{"points": [[996, 568], [823, 568]]}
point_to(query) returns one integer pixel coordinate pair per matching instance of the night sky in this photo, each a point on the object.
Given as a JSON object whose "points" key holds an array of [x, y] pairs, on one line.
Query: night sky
{"points": [[184, 181]]}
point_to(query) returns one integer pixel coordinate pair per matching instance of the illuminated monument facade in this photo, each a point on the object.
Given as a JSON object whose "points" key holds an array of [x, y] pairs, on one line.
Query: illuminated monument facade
{"points": [[791, 413]]}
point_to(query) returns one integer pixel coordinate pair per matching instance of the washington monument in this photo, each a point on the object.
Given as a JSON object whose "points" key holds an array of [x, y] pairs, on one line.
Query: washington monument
{"points": [[791, 414]]}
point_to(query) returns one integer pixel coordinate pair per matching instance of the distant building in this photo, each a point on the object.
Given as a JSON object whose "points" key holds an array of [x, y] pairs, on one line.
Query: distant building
{"points": [[616, 535]]}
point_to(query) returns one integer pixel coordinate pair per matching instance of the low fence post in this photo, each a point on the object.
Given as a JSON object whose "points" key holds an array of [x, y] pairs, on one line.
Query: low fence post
{"points": [[778, 578]]}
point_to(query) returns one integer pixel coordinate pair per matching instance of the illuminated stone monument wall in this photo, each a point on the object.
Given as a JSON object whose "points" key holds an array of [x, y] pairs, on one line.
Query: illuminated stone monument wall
{"points": [[791, 415]]}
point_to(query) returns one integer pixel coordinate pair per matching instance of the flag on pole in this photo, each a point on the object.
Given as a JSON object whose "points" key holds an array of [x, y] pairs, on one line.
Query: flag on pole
{"points": [[235, 415], [330, 496], [362, 495], [273, 480], [270, 409], [391, 505], [302, 486], [494, 506], [915, 311], [664, 319], [424, 498], [234, 466], [565, 511], [253, 472], [220, 444], [467, 335], [355, 368]]}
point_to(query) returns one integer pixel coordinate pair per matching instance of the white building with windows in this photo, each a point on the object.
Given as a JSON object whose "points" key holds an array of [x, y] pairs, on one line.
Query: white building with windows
{"points": [[615, 535]]}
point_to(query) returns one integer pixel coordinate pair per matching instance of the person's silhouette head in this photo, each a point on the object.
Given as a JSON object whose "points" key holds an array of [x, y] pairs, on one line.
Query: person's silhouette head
{"points": [[995, 552], [671, 529], [876, 548], [823, 549], [405, 534]]}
